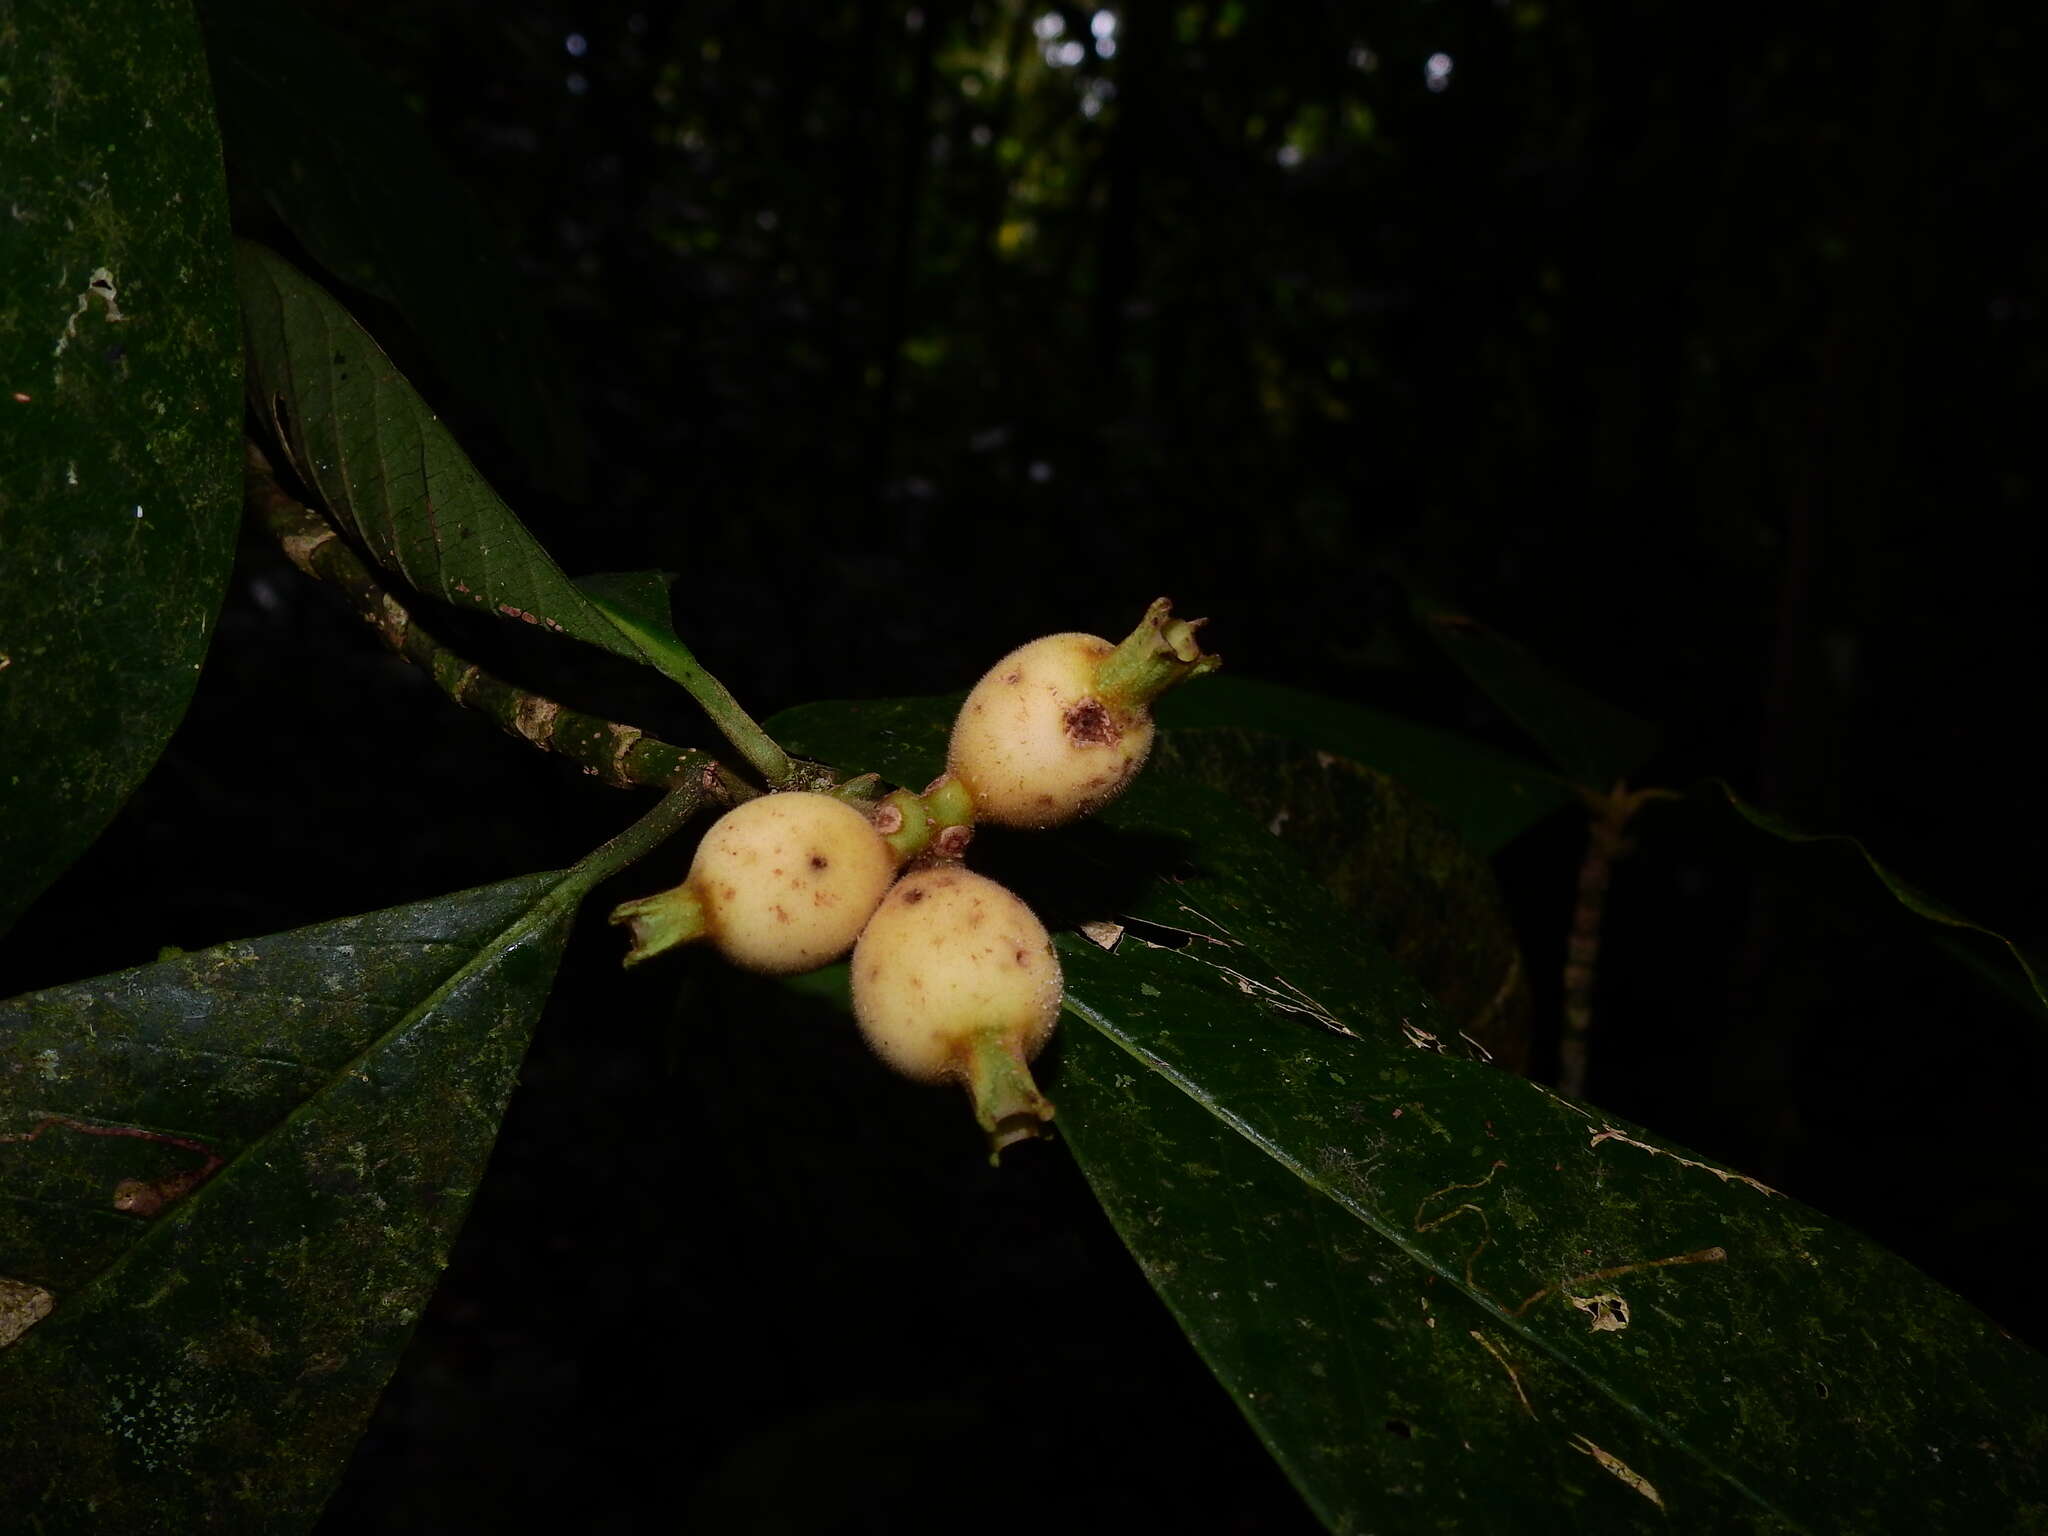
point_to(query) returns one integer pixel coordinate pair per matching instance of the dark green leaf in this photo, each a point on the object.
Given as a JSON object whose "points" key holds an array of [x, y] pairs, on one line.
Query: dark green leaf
{"points": [[641, 597], [1446, 1298], [1596, 744], [2032, 962], [1490, 797], [237, 1174], [1386, 857], [904, 740], [119, 407], [636, 603], [213, 1367], [346, 164], [359, 436]]}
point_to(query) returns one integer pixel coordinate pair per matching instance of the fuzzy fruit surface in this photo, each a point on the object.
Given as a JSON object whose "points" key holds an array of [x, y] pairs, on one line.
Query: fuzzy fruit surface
{"points": [[949, 958], [1036, 745], [788, 880]]}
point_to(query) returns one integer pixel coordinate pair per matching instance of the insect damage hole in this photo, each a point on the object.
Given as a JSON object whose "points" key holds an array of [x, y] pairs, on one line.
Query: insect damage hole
{"points": [[1090, 724]]}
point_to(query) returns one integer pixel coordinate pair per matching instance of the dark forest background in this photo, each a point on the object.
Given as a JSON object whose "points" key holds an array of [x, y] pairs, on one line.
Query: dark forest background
{"points": [[1699, 349]]}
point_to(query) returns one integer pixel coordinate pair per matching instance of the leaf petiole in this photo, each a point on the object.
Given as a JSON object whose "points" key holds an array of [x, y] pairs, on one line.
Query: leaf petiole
{"points": [[674, 661]]}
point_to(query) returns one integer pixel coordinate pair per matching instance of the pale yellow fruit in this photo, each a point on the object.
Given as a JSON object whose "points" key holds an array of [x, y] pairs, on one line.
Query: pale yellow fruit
{"points": [[1036, 745], [787, 881], [955, 979]]}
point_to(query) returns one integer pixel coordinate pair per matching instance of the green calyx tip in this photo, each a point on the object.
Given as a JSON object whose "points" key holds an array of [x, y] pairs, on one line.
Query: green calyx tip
{"points": [[1161, 653], [659, 923], [1007, 1103]]}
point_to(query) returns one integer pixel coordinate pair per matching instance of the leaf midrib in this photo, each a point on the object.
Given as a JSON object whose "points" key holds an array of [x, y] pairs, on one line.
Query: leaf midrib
{"points": [[1423, 1260], [498, 945], [557, 901], [591, 625]]}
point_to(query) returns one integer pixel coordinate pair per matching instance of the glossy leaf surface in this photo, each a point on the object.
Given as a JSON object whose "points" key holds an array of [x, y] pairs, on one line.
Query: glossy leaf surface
{"points": [[119, 413], [342, 159], [210, 1367], [1385, 856], [636, 604], [1446, 1298], [1489, 797], [357, 434]]}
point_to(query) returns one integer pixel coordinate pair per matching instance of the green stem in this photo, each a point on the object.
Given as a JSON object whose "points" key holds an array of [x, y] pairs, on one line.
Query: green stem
{"points": [[948, 803], [673, 660], [1007, 1103], [636, 842], [1159, 654], [660, 922], [621, 755], [940, 821], [905, 825], [860, 792]]}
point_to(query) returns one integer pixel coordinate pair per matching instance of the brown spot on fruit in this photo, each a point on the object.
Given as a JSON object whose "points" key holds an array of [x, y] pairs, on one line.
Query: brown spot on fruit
{"points": [[819, 861], [912, 897], [1013, 678], [1023, 957], [780, 915], [1090, 724]]}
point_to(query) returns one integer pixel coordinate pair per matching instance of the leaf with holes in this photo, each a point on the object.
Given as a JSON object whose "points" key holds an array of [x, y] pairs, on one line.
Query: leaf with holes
{"points": [[119, 417], [1444, 1297]]}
